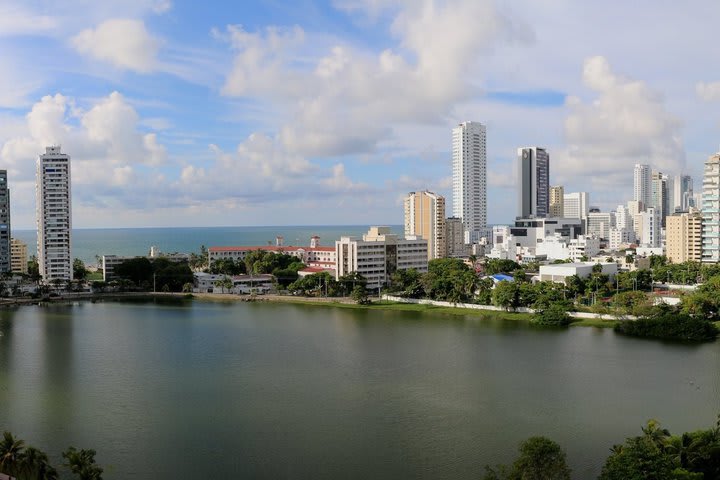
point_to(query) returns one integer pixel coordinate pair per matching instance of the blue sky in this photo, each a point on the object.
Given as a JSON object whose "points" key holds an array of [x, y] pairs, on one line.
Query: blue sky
{"points": [[180, 113]]}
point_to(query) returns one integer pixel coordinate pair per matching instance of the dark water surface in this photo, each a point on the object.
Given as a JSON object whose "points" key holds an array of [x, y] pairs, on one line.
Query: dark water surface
{"points": [[209, 390]]}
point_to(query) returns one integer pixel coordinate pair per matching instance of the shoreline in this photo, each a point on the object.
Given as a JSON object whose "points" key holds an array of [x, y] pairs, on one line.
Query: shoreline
{"points": [[338, 302]]}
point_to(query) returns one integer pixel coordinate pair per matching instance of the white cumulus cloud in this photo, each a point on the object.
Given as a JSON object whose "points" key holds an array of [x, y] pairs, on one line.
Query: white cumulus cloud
{"points": [[346, 100], [627, 122], [124, 43]]}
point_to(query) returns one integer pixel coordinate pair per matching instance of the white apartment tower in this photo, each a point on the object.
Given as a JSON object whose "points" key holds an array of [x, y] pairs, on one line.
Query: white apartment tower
{"points": [[5, 249], [711, 210], [425, 218], [533, 182], [642, 190], [53, 210], [469, 164]]}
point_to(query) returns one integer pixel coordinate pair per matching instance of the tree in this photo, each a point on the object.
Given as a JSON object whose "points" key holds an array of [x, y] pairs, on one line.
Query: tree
{"points": [[11, 450], [360, 295], [137, 270], [35, 464], [495, 265], [506, 294], [540, 459], [633, 303], [79, 270], [82, 463], [553, 315], [34, 269]]}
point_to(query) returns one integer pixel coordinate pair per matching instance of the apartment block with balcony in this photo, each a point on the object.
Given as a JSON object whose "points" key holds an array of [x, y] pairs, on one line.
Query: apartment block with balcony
{"points": [[379, 254], [711, 210], [683, 237]]}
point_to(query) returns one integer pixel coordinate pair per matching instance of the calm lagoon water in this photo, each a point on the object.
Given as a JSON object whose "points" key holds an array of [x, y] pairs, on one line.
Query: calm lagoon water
{"points": [[211, 390]]}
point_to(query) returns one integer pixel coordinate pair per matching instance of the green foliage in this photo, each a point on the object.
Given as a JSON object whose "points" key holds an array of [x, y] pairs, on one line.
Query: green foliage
{"points": [[318, 284], [360, 295], [24, 462], [263, 261], [540, 459], [79, 270], [494, 265], [407, 283], [136, 270], [633, 303], [507, 295], [704, 302], [659, 455], [554, 315], [34, 269], [172, 274], [670, 325], [226, 266], [160, 272], [82, 463], [449, 279]]}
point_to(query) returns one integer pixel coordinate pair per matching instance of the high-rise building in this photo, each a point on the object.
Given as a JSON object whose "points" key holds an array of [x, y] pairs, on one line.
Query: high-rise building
{"points": [[18, 256], [533, 182], [642, 190], [5, 252], [425, 217], [469, 163], [682, 193], [659, 195], [557, 202], [683, 237], [576, 205], [711, 210], [53, 210], [454, 237]]}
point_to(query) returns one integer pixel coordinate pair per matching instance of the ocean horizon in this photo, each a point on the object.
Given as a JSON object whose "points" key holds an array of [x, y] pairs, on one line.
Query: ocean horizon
{"points": [[90, 243]]}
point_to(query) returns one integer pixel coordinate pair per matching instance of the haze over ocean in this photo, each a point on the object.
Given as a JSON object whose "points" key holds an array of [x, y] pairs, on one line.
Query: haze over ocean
{"points": [[87, 243]]}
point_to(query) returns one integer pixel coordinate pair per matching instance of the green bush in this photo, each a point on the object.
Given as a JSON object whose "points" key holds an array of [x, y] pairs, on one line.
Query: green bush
{"points": [[670, 326]]}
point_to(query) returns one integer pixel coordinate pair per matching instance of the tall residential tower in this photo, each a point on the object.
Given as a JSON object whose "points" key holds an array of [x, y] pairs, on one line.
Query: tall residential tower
{"points": [[533, 182], [53, 205], [5, 250], [642, 184], [469, 164], [425, 217]]}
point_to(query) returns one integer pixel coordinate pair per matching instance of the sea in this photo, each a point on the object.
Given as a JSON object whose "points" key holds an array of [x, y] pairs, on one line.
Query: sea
{"points": [[88, 244]]}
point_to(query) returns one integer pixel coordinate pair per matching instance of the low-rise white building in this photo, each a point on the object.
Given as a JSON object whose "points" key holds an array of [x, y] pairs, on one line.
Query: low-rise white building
{"points": [[379, 254], [620, 237], [559, 272], [238, 284], [312, 256]]}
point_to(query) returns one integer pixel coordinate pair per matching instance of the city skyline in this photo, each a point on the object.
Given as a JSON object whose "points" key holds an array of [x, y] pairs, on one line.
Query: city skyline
{"points": [[342, 102]]}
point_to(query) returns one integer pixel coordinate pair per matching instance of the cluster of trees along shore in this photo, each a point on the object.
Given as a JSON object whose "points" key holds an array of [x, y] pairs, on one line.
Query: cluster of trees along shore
{"points": [[656, 455], [454, 281]]}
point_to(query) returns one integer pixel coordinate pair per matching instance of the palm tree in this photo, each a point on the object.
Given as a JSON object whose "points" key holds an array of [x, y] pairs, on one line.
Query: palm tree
{"points": [[34, 464], [11, 449], [82, 463]]}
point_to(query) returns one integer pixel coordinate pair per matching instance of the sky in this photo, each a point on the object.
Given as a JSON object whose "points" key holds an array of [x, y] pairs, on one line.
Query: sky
{"points": [[310, 112]]}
